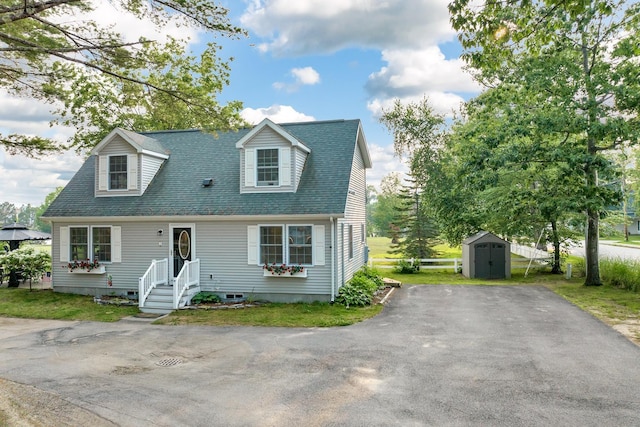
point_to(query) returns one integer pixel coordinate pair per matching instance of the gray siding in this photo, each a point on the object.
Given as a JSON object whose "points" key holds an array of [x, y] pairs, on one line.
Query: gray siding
{"points": [[221, 247], [149, 168], [267, 138], [117, 147], [355, 215], [299, 158]]}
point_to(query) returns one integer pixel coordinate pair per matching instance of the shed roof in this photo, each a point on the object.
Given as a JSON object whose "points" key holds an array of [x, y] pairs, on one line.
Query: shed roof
{"points": [[482, 236], [195, 155]]}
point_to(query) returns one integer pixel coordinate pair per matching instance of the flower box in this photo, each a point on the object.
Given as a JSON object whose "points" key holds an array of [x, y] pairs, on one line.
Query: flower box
{"points": [[267, 273], [97, 270]]}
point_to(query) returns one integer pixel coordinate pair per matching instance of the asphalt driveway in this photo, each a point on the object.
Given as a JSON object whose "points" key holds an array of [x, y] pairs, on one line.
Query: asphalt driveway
{"points": [[437, 355]]}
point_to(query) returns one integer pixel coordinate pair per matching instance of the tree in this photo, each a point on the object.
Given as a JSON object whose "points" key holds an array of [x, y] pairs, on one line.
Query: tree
{"points": [[102, 81], [522, 176], [579, 68], [418, 231], [383, 211], [8, 212], [42, 225], [372, 196]]}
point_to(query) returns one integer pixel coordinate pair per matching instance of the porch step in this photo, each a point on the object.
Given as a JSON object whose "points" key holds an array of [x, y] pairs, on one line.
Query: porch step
{"points": [[159, 301]]}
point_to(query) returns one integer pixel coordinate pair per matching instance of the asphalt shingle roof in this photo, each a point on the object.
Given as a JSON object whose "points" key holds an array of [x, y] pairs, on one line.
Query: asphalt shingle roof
{"points": [[194, 156]]}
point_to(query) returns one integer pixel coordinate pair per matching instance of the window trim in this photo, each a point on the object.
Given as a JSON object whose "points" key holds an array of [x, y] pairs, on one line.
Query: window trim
{"points": [[278, 167], [285, 168], [289, 243], [115, 237], [286, 251], [125, 172]]}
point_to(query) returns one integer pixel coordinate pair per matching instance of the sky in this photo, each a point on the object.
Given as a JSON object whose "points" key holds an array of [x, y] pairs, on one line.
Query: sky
{"points": [[302, 60]]}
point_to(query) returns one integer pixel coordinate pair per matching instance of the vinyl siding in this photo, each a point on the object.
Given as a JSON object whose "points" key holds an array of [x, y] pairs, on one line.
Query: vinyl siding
{"points": [[267, 138], [299, 158], [221, 247], [355, 215], [150, 166], [118, 147]]}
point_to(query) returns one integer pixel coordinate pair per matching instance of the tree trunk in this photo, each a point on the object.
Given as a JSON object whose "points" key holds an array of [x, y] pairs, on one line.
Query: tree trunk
{"points": [[556, 268], [591, 249]]}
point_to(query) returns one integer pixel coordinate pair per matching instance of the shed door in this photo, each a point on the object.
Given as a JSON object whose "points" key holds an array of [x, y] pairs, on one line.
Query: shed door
{"points": [[490, 260]]}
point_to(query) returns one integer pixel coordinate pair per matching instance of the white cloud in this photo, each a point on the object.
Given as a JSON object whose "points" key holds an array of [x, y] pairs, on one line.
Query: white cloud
{"points": [[29, 181], [312, 26], [306, 75], [384, 162], [412, 74], [275, 113], [108, 14], [302, 76]]}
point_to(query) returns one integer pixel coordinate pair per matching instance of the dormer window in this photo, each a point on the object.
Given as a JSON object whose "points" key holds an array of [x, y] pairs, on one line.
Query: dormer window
{"points": [[117, 172], [267, 166], [271, 160]]}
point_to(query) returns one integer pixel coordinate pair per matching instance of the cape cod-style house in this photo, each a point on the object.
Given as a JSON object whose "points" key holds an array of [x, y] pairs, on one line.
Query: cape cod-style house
{"points": [[274, 212]]}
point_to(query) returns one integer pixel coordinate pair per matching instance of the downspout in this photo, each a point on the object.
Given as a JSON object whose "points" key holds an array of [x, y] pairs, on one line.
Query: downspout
{"points": [[333, 260]]}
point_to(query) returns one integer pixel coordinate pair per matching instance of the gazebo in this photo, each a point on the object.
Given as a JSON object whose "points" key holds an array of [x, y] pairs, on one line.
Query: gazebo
{"points": [[14, 234]]}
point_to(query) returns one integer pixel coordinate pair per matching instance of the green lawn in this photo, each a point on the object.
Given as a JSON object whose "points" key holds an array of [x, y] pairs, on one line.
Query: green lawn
{"points": [[633, 240], [46, 304], [272, 314]]}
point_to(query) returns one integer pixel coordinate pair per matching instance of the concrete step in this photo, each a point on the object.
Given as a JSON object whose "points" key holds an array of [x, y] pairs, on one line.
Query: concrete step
{"points": [[155, 310], [159, 301], [161, 298]]}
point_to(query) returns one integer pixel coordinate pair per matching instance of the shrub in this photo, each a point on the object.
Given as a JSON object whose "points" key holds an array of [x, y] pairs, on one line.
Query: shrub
{"points": [[405, 267], [205, 297], [620, 273], [371, 274], [30, 263], [359, 291]]}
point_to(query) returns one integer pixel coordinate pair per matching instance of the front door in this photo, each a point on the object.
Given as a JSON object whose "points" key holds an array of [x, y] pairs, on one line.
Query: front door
{"points": [[181, 247]]}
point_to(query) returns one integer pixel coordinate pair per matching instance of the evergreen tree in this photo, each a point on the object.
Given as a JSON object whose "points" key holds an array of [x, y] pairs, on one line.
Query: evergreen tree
{"points": [[413, 220]]}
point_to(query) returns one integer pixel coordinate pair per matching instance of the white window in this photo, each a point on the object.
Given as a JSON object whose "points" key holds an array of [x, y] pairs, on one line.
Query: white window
{"points": [[286, 244], [267, 168], [80, 243], [350, 241], [79, 239], [271, 245], [300, 245], [118, 172]]}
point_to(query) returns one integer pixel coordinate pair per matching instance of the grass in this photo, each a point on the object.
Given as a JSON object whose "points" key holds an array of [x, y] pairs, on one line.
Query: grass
{"points": [[275, 314], [633, 240], [610, 303], [46, 304]]}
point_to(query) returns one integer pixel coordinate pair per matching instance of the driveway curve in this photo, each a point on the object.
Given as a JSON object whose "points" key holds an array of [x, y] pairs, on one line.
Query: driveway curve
{"points": [[436, 355]]}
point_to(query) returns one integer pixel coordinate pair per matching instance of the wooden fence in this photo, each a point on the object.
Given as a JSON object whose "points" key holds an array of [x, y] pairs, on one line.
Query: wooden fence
{"points": [[425, 263], [454, 263]]}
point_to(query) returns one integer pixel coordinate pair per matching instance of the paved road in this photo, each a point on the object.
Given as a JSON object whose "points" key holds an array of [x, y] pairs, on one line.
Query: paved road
{"points": [[611, 251], [437, 355]]}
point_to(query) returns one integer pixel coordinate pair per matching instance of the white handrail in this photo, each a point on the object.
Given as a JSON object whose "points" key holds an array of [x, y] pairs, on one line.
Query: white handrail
{"points": [[189, 275], [156, 274]]}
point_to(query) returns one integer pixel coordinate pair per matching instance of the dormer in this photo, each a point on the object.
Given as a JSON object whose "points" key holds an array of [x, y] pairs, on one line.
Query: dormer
{"points": [[271, 159], [126, 162]]}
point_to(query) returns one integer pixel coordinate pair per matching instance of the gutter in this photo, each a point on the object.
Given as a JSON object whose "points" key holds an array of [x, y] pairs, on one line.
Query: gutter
{"points": [[333, 260]]}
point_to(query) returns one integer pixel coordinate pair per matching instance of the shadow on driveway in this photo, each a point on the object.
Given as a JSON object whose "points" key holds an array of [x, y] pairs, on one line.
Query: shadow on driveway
{"points": [[437, 355]]}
